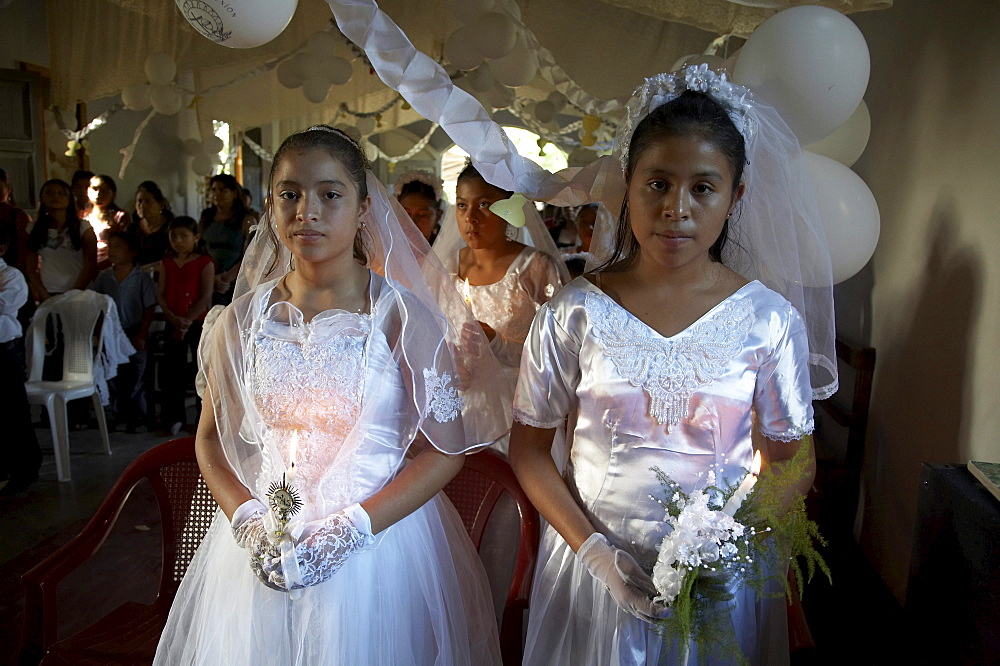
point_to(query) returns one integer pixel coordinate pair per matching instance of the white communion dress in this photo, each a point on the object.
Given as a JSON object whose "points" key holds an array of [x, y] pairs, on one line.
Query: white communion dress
{"points": [[420, 595], [638, 400]]}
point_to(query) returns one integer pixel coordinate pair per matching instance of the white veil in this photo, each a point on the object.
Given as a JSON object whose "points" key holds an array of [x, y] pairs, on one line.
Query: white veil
{"points": [[786, 247], [444, 355]]}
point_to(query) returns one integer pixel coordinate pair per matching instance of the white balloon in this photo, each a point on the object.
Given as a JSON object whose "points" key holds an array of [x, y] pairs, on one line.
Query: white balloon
{"points": [[287, 74], [461, 49], [849, 213], [812, 64], [136, 96], [846, 143], [518, 67], [322, 45], [202, 165], [192, 147], [316, 89], [467, 10], [495, 34], [371, 152], [557, 100], [238, 24], [349, 130], [482, 78], [338, 71], [213, 145], [365, 125], [160, 68], [167, 100], [301, 65], [545, 111], [500, 97]]}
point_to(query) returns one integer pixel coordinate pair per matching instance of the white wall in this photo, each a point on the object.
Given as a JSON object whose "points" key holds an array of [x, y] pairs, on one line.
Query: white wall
{"points": [[931, 295], [24, 34]]}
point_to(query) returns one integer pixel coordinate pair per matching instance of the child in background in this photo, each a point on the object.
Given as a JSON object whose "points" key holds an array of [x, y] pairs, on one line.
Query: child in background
{"points": [[21, 456], [134, 293], [185, 294]]}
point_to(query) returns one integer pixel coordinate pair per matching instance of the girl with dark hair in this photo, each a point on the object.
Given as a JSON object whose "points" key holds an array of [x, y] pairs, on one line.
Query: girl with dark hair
{"points": [[327, 549], [420, 194], [185, 294], [62, 248], [664, 356], [225, 227], [151, 223], [105, 216]]}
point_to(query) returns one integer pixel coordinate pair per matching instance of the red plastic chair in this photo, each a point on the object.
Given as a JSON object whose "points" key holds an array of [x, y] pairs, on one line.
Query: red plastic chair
{"points": [[130, 633], [474, 492]]}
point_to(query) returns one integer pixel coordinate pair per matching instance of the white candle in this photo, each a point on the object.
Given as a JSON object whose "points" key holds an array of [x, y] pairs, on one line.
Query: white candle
{"points": [[749, 481], [292, 451], [468, 294]]}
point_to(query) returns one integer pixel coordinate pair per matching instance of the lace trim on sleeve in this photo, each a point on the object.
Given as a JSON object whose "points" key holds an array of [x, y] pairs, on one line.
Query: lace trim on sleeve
{"points": [[521, 417], [443, 401], [793, 433]]}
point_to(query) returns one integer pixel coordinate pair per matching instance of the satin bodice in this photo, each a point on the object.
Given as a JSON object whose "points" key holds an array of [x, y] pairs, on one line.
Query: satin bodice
{"points": [[639, 400]]}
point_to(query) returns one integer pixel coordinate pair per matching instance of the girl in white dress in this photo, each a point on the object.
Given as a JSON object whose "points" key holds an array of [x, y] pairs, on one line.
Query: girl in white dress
{"points": [[503, 280], [332, 545], [662, 357]]}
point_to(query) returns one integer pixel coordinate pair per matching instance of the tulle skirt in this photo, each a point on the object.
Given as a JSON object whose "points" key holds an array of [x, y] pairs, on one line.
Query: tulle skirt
{"points": [[420, 597], [574, 621]]}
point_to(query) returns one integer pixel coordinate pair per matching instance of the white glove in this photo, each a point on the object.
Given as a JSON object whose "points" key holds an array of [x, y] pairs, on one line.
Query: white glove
{"points": [[322, 546], [628, 584], [250, 533]]}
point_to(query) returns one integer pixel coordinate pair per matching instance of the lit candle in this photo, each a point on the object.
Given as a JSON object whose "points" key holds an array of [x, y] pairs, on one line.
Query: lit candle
{"points": [[734, 502], [468, 294], [292, 451]]}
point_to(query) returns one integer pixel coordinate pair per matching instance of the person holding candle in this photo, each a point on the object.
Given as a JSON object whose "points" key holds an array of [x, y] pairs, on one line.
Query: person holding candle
{"points": [[334, 365], [503, 280], [663, 356]]}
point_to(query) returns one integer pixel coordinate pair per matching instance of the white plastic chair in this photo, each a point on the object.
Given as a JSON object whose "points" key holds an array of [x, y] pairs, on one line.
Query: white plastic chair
{"points": [[78, 313]]}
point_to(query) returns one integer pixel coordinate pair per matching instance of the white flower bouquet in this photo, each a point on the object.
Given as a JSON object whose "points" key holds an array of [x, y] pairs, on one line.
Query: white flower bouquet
{"points": [[726, 536]]}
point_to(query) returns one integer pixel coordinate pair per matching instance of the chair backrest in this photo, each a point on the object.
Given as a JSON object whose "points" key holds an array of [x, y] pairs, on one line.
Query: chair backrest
{"points": [[76, 314], [855, 416], [475, 492]]}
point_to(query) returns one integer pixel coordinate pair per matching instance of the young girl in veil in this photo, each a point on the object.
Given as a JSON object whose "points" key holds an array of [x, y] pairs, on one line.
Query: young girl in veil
{"points": [[327, 548], [664, 357]]}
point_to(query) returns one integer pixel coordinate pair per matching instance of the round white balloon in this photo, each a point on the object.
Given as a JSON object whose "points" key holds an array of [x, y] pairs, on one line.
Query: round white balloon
{"points": [[518, 67], [846, 143], [288, 74], [338, 71], [365, 125], [136, 97], [849, 213], [495, 33], [500, 97], [192, 147], [349, 130], [811, 63], [238, 24], [545, 111], [461, 49], [213, 145], [466, 11], [160, 68], [482, 78], [316, 89], [557, 100], [322, 45], [202, 164], [167, 100]]}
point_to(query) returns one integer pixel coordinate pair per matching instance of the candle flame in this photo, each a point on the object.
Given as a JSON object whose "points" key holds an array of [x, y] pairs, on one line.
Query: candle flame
{"points": [[468, 296], [756, 464]]}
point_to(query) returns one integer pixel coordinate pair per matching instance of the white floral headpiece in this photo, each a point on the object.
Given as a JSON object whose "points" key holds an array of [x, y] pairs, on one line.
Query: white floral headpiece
{"points": [[662, 88], [420, 175]]}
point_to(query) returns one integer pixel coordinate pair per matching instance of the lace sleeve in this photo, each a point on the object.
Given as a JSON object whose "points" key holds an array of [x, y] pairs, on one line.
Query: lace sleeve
{"points": [[783, 395]]}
